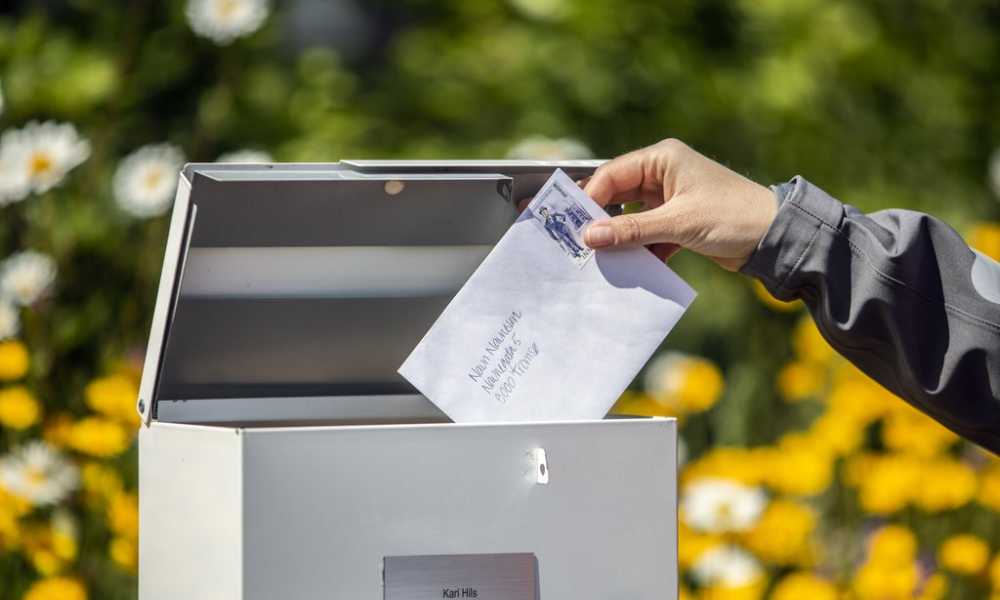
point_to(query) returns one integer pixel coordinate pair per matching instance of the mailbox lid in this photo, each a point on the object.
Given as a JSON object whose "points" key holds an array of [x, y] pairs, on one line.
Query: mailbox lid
{"points": [[294, 292]]}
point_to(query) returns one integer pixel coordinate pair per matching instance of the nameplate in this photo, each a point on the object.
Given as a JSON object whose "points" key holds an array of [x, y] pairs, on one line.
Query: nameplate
{"points": [[461, 576]]}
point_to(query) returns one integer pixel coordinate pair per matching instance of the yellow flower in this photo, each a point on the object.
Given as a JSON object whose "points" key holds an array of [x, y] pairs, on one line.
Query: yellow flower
{"points": [[908, 430], [100, 482], [702, 385], [889, 571], [861, 400], [888, 483], [782, 535], [642, 405], [740, 464], [718, 591], [692, 544], [114, 396], [13, 360], [947, 484], [989, 488], [50, 548], [18, 408], [56, 588], [836, 433], [995, 573], [809, 343], [934, 588], [964, 554], [99, 437], [985, 237], [770, 301], [125, 553], [683, 593], [859, 467], [683, 383], [797, 467], [11, 508], [123, 515], [879, 582], [893, 546], [57, 430], [801, 379], [804, 586], [13, 504]]}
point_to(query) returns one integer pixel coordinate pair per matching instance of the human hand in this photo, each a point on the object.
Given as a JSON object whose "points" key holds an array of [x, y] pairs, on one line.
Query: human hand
{"points": [[690, 202]]}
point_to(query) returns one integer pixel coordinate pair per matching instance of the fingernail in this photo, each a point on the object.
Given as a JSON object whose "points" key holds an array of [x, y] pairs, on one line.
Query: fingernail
{"points": [[599, 235]]}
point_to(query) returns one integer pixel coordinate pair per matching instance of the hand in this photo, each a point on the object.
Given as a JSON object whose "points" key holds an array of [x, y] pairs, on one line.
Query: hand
{"points": [[690, 202]]}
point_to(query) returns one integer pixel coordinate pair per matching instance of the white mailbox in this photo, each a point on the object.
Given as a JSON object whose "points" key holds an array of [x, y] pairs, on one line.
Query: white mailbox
{"points": [[283, 457]]}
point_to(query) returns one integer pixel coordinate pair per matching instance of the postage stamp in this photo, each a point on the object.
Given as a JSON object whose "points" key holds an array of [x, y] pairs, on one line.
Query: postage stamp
{"points": [[563, 219]]}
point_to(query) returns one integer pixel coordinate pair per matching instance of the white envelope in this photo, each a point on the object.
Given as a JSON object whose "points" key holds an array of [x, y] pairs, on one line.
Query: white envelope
{"points": [[547, 329]]}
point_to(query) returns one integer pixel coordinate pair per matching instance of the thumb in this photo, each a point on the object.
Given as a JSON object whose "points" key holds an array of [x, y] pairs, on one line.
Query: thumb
{"points": [[636, 229]]}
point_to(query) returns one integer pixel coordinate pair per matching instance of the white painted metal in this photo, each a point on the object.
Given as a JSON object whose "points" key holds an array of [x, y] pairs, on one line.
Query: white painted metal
{"points": [[190, 516], [310, 512]]}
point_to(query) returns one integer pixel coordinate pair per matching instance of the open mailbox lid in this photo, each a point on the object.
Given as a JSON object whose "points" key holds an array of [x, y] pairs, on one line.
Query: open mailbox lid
{"points": [[293, 292]]}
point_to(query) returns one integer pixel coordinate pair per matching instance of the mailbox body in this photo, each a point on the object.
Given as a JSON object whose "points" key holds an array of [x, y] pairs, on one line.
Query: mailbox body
{"points": [[281, 460], [311, 512]]}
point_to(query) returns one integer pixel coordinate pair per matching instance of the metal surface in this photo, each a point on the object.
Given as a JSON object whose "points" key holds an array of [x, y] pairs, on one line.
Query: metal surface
{"points": [[311, 512], [173, 256], [479, 576], [389, 408], [330, 271], [190, 520]]}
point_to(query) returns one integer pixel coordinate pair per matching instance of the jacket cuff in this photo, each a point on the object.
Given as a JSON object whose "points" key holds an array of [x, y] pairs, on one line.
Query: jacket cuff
{"points": [[804, 212]]}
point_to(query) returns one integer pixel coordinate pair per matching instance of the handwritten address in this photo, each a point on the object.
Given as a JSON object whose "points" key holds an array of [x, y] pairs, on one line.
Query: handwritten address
{"points": [[505, 359]]}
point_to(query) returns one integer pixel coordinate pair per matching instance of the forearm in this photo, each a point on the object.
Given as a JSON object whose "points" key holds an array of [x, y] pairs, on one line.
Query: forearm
{"points": [[894, 293]]}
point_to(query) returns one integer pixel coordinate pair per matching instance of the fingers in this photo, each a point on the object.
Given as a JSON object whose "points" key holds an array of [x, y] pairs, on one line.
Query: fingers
{"points": [[649, 198], [619, 176], [642, 228]]}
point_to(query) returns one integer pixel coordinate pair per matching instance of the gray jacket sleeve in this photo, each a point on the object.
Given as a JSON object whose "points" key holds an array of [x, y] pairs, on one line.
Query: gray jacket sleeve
{"points": [[898, 293]]}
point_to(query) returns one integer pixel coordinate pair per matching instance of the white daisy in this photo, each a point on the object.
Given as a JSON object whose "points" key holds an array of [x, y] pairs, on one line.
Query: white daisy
{"points": [[665, 374], [222, 21], [145, 180], [726, 565], [719, 505], [245, 156], [14, 182], [543, 148], [994, 172], [541, 9], [37, 157], [26, 276], [10, 320], [38, 473]]}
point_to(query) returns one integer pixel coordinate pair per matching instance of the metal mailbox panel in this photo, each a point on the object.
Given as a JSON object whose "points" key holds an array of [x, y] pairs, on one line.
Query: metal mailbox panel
{"points": [[324, 507]]}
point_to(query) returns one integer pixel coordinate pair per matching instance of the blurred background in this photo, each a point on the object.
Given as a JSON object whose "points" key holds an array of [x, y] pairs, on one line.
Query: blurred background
{"points": [[801, 478]]}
